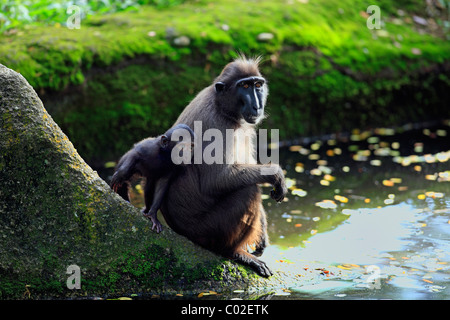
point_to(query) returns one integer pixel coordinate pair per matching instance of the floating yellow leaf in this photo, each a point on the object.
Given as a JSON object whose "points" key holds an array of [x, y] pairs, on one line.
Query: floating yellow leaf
{"points": [[325, 183], [327, 204], [341, 198], [342, 267], [299, 167], [290, 183], [375, 163], [316, 145], [299, 192], [388, 183], [421, 196], [295, 148]]}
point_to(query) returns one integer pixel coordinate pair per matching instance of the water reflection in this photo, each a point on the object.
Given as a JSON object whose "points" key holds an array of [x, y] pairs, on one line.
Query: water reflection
{"points": [[368, 201]]}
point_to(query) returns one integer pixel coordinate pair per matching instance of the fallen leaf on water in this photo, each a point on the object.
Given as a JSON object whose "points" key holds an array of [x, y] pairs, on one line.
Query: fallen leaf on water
{"points": [[299, 192], [298, 225], [326, 204], [388, 183], [344, 268], [426, 280], [295, 148], [341, 198]]}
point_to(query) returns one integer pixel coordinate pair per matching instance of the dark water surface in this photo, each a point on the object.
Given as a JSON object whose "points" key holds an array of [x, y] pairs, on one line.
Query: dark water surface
{"points": [[368, 213]]}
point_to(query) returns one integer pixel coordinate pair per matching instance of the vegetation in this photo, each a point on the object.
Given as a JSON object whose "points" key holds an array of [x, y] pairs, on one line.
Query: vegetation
{"points": [[126, 75]]}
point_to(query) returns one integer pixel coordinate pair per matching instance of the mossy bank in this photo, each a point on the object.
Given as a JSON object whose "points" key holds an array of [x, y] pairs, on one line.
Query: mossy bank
{"points": [[125, 76]]}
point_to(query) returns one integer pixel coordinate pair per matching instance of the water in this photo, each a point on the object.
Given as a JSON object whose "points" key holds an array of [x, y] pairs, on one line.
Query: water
{"points": [[367, 216], [376, 207]]}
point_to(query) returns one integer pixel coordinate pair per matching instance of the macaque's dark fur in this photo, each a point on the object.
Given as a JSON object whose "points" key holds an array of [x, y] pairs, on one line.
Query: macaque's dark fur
{"points": [[149, 158], [218, 206]]}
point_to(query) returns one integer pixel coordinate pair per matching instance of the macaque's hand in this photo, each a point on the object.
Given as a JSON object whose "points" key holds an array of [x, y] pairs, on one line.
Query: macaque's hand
{"points": [[279, 191]]}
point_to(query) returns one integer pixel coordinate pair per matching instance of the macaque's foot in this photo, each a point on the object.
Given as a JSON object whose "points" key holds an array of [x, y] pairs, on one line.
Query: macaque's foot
{"points": [[157, 226]]}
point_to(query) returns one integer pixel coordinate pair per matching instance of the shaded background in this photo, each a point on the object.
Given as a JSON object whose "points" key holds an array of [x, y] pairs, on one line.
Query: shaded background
{"points": [[133, 66]]}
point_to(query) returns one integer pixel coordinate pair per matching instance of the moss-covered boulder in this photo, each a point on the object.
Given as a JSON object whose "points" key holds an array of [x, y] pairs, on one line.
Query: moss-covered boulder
{"points": [[55, 211]]}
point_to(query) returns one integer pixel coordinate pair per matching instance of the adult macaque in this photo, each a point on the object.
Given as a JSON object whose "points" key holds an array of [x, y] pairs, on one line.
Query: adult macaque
{"points": [[150, 158], [218, 206]]}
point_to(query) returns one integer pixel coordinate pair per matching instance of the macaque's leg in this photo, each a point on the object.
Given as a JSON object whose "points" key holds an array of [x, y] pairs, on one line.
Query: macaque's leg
{"points": [[149, 190], [160, 191], [264, 238]]}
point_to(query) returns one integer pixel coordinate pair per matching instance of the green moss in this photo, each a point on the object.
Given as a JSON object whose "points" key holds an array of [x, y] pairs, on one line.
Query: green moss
{"points": [[327, 70]]}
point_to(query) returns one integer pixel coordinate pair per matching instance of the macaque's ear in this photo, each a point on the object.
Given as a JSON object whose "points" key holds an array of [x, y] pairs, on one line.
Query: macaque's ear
{"points": [[220, 86], [164, 141]]}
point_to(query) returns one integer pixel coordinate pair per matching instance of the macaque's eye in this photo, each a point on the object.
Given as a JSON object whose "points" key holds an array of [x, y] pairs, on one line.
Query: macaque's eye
{"points": [[258, 85], [245, 85]]}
